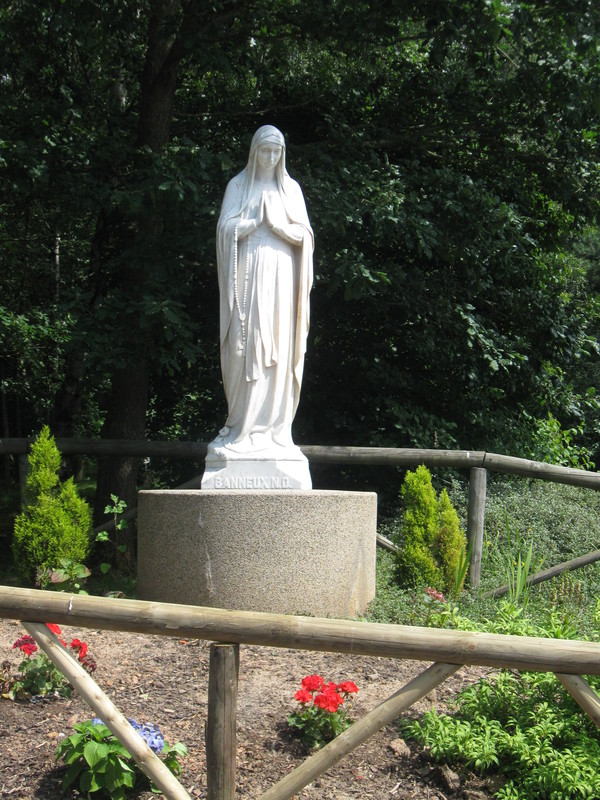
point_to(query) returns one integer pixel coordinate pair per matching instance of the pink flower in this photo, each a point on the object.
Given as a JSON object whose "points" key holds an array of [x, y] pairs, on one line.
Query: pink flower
{"points": [[303, 696], [435, 595], [348, 687], [313, 683]]}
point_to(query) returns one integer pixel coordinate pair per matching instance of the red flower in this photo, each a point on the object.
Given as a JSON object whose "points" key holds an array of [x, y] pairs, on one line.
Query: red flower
{"points": [[81, 648], [313, 683], [329, 700], [26, 644], [54, 628], [303, 696], [348, 687], [89, 664]]}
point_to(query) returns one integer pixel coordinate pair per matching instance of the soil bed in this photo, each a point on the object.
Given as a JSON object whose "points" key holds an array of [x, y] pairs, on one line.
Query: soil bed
{"points": [[165, 681]]}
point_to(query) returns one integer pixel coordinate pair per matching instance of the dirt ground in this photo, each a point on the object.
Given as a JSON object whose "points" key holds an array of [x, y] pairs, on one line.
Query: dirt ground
{"points": [[165, 681]]}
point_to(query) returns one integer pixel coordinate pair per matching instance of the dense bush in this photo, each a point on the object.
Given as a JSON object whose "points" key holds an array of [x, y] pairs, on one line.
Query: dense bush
{"points": [[415, 560], [56, 523]]}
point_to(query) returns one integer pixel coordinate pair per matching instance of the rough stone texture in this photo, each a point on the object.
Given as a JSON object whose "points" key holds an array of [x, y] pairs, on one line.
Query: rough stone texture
{"points": [[279, 551]]}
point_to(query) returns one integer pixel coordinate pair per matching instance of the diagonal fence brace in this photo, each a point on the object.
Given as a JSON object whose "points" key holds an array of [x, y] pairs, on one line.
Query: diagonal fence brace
{"points": [[104, 708], [360, 731]]}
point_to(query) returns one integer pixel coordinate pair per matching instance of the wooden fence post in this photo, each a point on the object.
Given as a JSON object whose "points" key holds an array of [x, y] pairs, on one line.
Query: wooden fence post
{"points": [[221, 721], [475, 520]]}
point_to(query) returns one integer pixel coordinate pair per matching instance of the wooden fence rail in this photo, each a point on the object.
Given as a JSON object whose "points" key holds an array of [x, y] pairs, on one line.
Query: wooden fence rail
{"points": [[319, 454], [477, 462], [448, 649], [302, 633]]}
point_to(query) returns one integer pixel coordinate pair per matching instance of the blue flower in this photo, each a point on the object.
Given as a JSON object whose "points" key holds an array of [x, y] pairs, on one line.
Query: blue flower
{"points": [[150, 733]]}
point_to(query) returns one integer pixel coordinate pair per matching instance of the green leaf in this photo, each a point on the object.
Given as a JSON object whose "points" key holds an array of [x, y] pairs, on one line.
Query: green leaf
{"points": [[95, 752], [71, 774]]}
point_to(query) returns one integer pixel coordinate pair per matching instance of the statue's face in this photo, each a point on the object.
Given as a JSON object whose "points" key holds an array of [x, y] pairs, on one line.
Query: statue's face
{"points": [[268, 155]]}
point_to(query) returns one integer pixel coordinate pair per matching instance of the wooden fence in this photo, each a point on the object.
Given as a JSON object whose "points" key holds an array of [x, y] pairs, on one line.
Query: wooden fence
{"points": [[449, 650], [476, 462]]}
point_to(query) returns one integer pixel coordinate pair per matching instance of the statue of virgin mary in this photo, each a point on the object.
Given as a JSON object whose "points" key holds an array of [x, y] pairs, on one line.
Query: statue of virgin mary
{"points": [[264, 258]]}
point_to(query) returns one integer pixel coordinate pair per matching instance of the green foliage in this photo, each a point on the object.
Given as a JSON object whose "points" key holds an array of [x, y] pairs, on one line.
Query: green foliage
{"points": [[391, 603], [102, 766], [415, 559], [526, 728], [522, 727], [451, 544], [315, 726], [432, 546], [70, 576], [116, 509], [560, 522], [425, 238], [38, 677], [57, 522], [33, 343], [554, 445], [518, 573], [44, 464]]}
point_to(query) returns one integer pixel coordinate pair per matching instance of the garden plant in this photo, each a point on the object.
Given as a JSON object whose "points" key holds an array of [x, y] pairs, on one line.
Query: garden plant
{"points": [[101, 767], [37, 676], [55, 524], [522, 728], [432, 546], [321, 717]]}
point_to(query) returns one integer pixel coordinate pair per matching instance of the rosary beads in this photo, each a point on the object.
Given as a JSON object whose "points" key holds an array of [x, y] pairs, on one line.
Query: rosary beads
{"points": [[241, 309]]}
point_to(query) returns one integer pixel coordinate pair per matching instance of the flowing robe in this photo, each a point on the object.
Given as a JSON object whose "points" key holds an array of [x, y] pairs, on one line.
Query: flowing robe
{"points": [[263, 341]]}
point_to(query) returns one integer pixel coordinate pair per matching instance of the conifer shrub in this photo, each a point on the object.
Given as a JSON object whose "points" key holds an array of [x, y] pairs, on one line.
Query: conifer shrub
{"points": [[415, 560], [431, 543], [56, 523], [451, 543]]}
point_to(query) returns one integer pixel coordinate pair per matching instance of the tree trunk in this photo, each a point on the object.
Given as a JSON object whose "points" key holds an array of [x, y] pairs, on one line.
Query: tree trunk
{"points": [[4, 429], [67, 407], [125, 419], [126, 412]]}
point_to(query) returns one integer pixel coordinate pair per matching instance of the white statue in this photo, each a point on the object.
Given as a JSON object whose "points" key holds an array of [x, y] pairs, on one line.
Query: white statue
{"points": [[264, 259]]}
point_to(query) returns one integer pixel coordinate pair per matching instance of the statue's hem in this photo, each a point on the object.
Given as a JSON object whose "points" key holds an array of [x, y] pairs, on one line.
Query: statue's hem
{"points": [[219, 453]]}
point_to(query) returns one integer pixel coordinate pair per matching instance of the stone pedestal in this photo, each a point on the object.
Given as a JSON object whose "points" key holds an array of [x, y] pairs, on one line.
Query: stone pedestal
{"points": [[287, 552]]}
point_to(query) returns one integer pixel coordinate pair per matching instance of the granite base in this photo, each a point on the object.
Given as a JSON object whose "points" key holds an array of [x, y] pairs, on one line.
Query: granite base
{"points": [[278, 551]]}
